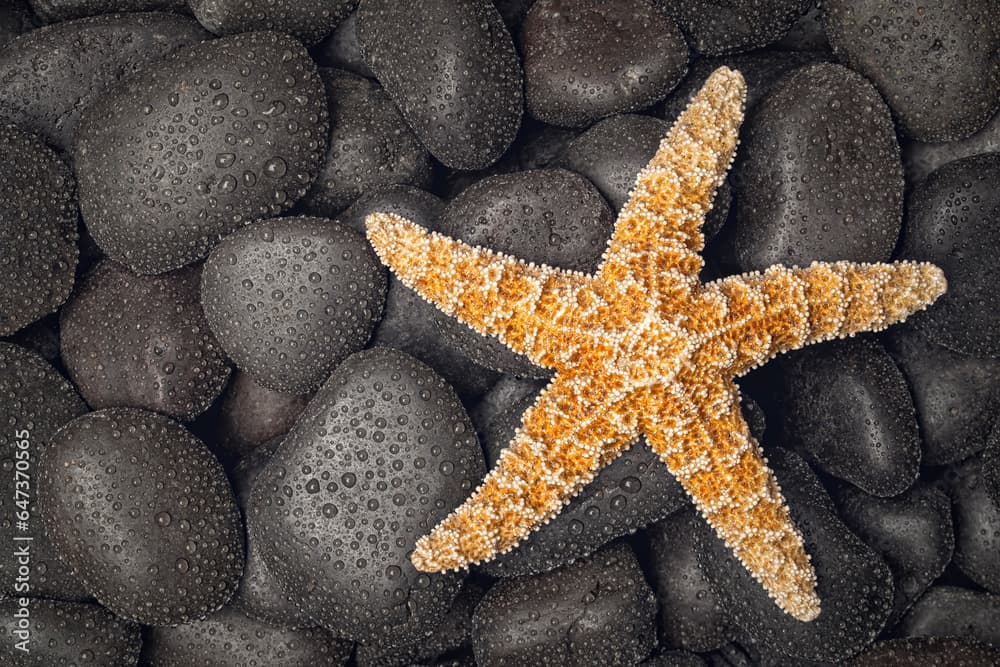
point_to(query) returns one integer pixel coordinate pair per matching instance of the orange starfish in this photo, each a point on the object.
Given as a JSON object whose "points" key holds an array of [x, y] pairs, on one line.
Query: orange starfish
{"points": [[644, 347]]}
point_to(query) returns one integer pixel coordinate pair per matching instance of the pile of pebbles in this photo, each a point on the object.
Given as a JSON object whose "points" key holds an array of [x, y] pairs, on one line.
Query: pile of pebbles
{"points": [[238, 423]]}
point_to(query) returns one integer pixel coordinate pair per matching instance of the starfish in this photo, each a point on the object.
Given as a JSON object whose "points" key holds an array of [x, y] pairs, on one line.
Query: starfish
{"points": [[643, 347]]}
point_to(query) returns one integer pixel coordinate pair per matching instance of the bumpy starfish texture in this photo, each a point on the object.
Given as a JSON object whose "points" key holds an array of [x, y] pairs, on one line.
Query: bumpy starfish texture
{"points": [[643, 347]]}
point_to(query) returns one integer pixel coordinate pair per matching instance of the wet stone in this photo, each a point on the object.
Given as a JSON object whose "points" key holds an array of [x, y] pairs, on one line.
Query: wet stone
{"points": [[206, 140], [142, 341], [144, 514], [949, 611], [308, 20], [736, 25], [38, 219]]}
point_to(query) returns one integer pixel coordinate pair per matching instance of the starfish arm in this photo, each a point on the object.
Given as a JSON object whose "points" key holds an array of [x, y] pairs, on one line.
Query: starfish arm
{"points": [[705, 443], [784, 309], [526, 306], [566, 437], [659, 228]]}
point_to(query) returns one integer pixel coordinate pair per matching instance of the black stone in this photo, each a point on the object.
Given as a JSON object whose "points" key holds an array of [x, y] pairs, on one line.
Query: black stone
{"points": [[951, 221], [342, 49], [949, 611], [308, 20], [52, 74], [53, 11], [848, 408], [596, 611], [370, 146], [452, 69], [38, 236], [819, 175], [290, 298], [587, 59], [381, 454], [250, 415], [142, 341], [912, 532], [923, 651], [977, 526], [714, 28], [204, 141], [144, 514], [935, 64]]}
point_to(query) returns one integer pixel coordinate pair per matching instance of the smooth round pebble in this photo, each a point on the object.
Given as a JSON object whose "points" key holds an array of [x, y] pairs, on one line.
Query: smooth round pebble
{"points": [[290, 298], [546, 216], [819, 176], [205, 140], [714, 28], [913, 532], [370, 146], [229, 637], [854, 583], [35, 401], [452, 69], [587, 59], [50, 75], [38, 235], [977, 526], [848, 408], [143, 512], [381, 454], [597, 611], [952, 221], [690, 613], [142, 341], [630, 493], [251, 415], [308, 20], [935, 63], [950, 611], [66, 634], [957, 396]]}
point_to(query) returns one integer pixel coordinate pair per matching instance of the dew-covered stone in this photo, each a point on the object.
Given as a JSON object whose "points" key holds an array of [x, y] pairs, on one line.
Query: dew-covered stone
{"points": [[54, 11], [977, 526], [38, 218], [920, 158], [952, 221], [587, 59], [382, 453], [204, 141], [546, 216], [956, 396], [35, 401], [854, 583], [16, 18], [452, 69], [251, 415], [50, 75], [848, 408], [715, 28], [950, 611], [991, 464], [612, 152], [144, 514], [690, 614], [142, 341], [66, 633], [597, 611], [935, 64], [912, 532], [370, 146], [630, 493], [290, 298], [674, 659], [923, 651], [819, 175], [502, 398], [308, 20], [230, 637]]}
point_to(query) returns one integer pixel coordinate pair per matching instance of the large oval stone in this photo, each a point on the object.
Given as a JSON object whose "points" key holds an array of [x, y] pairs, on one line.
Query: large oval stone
{"points": [[382, 453], [204, 141], [819, 176], [143, 512]]}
